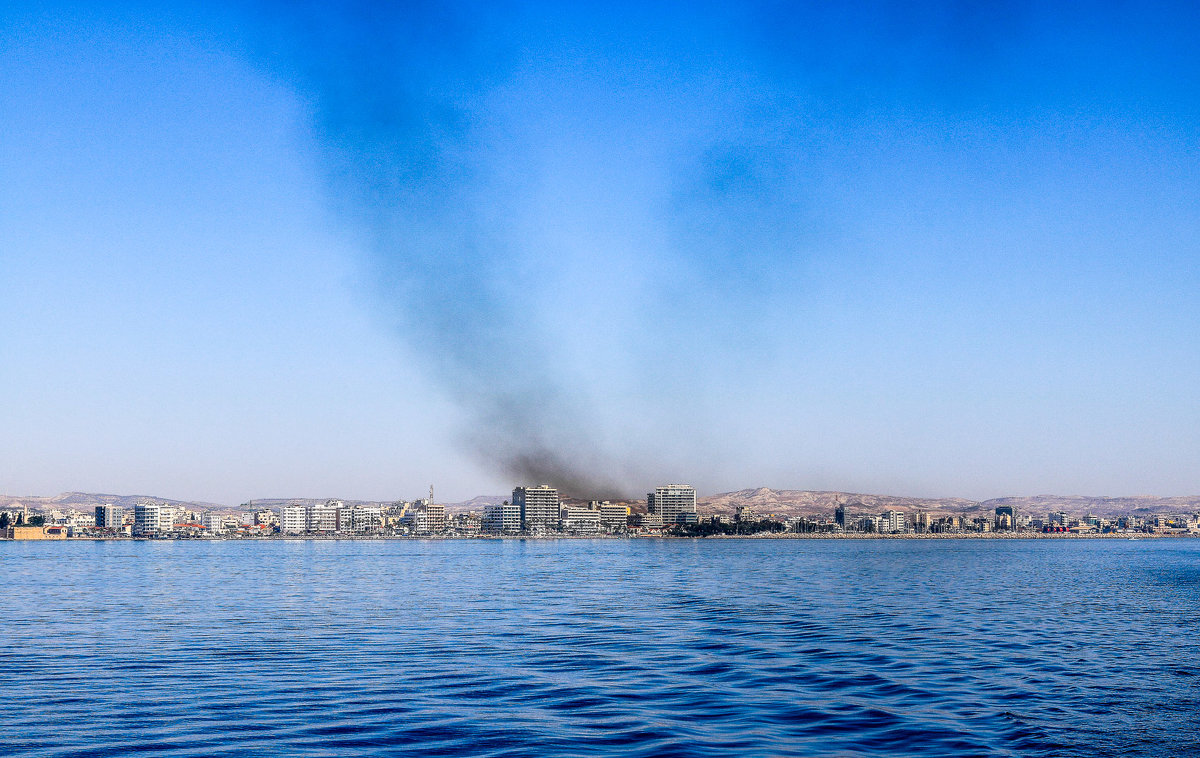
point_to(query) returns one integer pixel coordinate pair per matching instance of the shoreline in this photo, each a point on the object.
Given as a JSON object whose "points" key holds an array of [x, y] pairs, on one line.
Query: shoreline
{"points": [[787, 536]]}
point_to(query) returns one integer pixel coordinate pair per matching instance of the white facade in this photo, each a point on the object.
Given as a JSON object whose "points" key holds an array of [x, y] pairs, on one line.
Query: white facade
{"points": [[324, 517], [502, 519], [538, 505], [577, 520], [366, 518], [146, 518], [294, 519], [614, 518], [675, 503], [892, 522]]}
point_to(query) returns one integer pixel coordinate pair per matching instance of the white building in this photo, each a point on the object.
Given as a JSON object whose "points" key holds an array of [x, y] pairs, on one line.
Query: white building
{"points": [[366, 518], [323, 517], [892, 522], [294, 519], [502, 518], [614, 518], [578, 520], [147, 519], [675, 503], [539, 507]]}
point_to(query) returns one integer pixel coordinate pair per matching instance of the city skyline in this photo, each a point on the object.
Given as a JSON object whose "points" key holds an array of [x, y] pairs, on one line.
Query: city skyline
{"points": [[256, 249]]}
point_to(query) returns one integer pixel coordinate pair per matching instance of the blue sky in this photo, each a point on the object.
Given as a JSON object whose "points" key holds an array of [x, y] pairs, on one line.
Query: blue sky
{"points": [[261, 250]]}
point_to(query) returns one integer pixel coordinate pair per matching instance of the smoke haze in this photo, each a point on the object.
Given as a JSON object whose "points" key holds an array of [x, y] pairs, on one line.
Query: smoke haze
{"points": [[534, 203]]}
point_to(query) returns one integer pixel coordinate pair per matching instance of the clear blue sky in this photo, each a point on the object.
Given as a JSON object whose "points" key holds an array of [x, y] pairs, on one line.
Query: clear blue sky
{"points": [[256, 250]]}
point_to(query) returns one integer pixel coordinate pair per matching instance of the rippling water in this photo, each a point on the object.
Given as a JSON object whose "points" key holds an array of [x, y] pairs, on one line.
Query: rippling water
{"points": [[574, 647]]}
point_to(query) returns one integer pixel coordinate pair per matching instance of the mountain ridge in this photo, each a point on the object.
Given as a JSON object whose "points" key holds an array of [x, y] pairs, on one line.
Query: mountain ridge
{"points": [[763, 500]]}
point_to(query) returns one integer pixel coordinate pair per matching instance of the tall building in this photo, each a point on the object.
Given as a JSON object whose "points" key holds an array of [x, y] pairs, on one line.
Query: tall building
{"points": [[676, 503], [109, 516], [1006, 518], [539, 507], [892, 522], [294, 519], [147, 518], [842, 518], [323, 517], [426, 517]]}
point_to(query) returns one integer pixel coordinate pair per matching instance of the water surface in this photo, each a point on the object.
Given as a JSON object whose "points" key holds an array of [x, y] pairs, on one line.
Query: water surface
{"points": [[618, 647]]}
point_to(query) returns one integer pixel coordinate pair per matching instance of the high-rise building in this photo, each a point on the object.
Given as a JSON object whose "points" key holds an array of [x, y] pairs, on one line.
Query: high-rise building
{"points": [[539, 507], [676, 503], [426, 517], [1006, 518], [842, 518], [294, 518], [147, 518], [109, 516], [892, 522]]}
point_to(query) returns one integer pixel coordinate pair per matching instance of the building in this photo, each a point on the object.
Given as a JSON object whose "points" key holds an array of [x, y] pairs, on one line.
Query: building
{"points": [[266, 517], [613, 518], [109, 517], [366, 519], [579, 520], [323, 517], [436, 515], [539, 507], [502, 518], [294, 519], [149, 520], [425, 518], [650, 521], [842, 517], [34, 533], [675, 503], [892, 522], [1006, 518], [744, 514], [468, 523]]}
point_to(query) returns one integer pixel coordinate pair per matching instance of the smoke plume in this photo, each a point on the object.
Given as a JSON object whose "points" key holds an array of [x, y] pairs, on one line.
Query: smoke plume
{"points": [[573, 214]]}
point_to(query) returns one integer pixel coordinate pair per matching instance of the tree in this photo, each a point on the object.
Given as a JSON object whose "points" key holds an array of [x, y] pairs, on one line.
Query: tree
{"points": [[4, 520], [37, 520]]}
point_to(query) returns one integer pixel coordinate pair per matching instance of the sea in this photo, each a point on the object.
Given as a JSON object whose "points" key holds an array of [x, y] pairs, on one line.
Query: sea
{"points": [[571, 647]]}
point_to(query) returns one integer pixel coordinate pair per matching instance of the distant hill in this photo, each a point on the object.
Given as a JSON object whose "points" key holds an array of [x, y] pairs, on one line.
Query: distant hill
{"points": [[812, 503], [87, 500], [1100, 506], [763, 500]]}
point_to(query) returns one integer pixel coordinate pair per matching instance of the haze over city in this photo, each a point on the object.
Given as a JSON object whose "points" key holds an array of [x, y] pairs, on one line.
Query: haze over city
{"points": [[264, 251]]}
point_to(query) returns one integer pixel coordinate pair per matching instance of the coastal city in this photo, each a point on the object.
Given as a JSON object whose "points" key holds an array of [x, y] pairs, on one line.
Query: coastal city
{"points": [[540, 511]]}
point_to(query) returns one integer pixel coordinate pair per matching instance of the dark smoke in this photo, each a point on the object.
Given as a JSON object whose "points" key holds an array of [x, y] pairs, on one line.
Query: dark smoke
{"points": [[396, 92], [402, 97]]}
